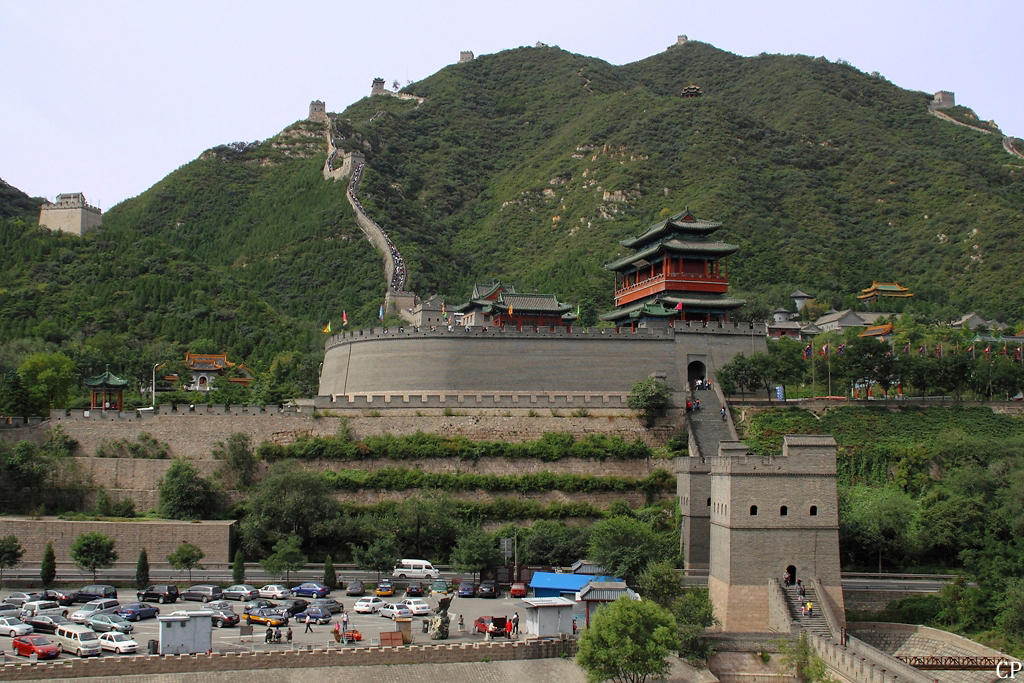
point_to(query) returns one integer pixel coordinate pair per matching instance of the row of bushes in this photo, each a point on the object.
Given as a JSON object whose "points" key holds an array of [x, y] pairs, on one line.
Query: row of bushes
{"points": [[497, 510], [420, 446], [402, 479]]}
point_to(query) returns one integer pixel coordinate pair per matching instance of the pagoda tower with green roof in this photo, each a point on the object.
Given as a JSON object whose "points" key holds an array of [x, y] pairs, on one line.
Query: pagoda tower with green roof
{"points": [[676, 272], [105, 391]]}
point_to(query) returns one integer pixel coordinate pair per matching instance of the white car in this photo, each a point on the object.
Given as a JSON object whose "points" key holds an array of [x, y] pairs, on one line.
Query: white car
{"points": [[394, 610], [275, 591], [368, 605], [13, 626], [418, 606], [118, 642]]}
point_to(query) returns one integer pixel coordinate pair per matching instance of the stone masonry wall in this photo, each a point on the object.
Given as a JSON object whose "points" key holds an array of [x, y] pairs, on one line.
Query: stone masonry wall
{"points": [[259, 661]]}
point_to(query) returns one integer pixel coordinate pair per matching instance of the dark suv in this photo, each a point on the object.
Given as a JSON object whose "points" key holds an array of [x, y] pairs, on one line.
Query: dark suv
{"points": [[99, 592], [204, 592], [161, 592]]}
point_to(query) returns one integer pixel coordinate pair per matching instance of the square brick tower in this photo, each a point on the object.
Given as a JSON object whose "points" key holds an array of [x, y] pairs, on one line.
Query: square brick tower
{"points": [[693, 487], [770, 515]]}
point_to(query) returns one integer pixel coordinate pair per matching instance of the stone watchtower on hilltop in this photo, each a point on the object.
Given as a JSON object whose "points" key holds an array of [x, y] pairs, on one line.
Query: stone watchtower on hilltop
{"points": [[771, 515], [943, 100], [317, 111], [378, 87], [70, 214], [465, 56]]}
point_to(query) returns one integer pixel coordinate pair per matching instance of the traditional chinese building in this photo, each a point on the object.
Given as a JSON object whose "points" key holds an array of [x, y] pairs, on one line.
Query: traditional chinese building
{"points": [[676, 272], [887, 290], [691, 91], [206, 367], [105, 391], [497, 304]]}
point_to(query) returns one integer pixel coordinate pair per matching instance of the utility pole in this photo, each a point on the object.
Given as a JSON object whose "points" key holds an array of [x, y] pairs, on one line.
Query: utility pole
{"points": [[153, 385]]}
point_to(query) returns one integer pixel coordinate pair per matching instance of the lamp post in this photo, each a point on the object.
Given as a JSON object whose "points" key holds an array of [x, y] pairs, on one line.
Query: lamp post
{"points": [[153, 385]]}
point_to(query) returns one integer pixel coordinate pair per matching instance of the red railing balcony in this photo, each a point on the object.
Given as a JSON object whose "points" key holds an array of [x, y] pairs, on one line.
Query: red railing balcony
{"points": [[673, 282]]}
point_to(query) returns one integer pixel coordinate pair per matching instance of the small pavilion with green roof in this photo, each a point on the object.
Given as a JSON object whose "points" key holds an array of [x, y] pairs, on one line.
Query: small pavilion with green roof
{"points": [[676, 273], [103, 388]]}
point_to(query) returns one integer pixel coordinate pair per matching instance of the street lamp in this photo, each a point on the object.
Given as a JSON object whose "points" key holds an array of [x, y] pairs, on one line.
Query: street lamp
{"points": [[153, 385]]}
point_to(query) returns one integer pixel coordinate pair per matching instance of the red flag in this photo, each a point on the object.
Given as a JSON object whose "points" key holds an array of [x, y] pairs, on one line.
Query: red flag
{"points": [[679, 306], [344, 318]]}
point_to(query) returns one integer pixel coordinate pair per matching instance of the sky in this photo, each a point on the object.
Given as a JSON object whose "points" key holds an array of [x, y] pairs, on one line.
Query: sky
{"points": [[107, 97]]}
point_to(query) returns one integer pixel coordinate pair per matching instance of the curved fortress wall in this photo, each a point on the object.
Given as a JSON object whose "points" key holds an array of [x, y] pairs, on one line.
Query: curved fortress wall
{"points": [[403, 361]]}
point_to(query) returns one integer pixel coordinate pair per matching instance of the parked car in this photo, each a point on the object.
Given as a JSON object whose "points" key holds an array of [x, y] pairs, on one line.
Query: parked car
{"points": [[292, 607], [414, 589], [241, 592], [488, 589], [91, 609], [61, 597], [368, 605], [101, 623], [80, 640], [394, 610], [418, 606], [329, 604], [134, 611], [13, 626], [95, 592], [204, 592], [19, 599], [466, 590], [37, 607], [311, 589], [355, 588], [40, 646], [161, 592], [258, 603], [440, 587], [266, 617], [518, 590], [46, 623], [483, 625], [275, 591], [9, 610], [318, 615], [385, 589], [224, 614], [115, 641]]}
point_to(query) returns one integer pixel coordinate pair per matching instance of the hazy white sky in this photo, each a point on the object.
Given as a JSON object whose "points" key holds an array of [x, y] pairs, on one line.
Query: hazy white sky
{"points": [[108, 97]]}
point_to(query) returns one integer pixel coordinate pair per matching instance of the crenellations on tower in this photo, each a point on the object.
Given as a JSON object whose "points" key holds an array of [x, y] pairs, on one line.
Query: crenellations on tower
{"points": [[377, 88], [943, 100], [466, 56], [70, 214], [317, 111]]}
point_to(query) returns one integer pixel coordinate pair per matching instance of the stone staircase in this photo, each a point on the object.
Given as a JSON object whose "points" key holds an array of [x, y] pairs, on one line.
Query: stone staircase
{"points": [[708, 426], [816, 624]]}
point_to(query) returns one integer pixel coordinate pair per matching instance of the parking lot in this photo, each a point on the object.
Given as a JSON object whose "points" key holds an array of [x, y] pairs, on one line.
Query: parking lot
{"points": [[369, 625]]}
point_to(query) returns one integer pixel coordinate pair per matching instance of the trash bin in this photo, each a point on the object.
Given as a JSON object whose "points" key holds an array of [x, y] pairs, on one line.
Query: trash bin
{"points": [[154, 647], [426, 625]]}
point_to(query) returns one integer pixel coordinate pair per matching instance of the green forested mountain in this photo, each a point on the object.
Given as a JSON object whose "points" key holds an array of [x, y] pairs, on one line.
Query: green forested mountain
{"points": [[530, 165]]}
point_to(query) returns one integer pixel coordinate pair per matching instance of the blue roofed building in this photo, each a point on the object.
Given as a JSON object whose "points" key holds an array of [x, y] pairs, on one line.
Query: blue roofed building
{"points": [[552, 585]]}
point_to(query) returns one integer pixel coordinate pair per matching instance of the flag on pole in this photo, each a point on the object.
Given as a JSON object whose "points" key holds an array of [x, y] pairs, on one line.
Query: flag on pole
{"points": [[577, 310], [841, 350], [327, 328], [824, 350], [938, 350], [510, 309], [988, 349], [344, 318], [921, 351], [1004, 349], [970, 351], [1020, 352], [380, 313], [442, 309], [679, 306], [807, 351], [906, 348]]}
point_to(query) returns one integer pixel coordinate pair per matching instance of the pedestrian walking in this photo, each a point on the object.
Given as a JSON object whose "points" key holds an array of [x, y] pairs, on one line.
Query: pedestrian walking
{"points": [[288, 635], [462, 624], [515, 623], [269, 636], [309, 624], [803, 610], [723, 413], [810, 608]]}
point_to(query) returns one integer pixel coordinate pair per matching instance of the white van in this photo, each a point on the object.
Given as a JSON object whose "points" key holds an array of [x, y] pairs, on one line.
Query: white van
{"points": [[38, 608], [414, 569], [76, 639]]}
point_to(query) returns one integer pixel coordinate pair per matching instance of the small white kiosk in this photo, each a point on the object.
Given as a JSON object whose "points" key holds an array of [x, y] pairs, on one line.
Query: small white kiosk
{"points": [[548, 617], [186, 632]]}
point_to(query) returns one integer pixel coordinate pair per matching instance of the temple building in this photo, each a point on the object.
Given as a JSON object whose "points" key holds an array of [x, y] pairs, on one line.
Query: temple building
{"points": [[691, 91], [675, 273], [206, 367], [883, 290], [105, 391], [497, 304]]}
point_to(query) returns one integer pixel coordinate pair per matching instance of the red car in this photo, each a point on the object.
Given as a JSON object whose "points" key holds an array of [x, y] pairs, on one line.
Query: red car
{"points": [[518, 590], [483, 625], [40, 646]]}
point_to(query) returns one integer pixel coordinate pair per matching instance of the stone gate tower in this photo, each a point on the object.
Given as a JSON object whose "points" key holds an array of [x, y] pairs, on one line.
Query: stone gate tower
{"points": [[770, 515], [70, 214]]}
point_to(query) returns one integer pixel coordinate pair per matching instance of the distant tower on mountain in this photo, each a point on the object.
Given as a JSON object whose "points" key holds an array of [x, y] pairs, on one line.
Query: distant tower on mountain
{"points": [[943, 100], [317, 111], [691, 91], [70, 214], [465, 56], [378, 87], [681, 40]]}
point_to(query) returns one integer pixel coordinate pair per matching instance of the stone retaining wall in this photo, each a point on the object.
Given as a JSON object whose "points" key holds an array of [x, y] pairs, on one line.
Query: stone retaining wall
{"points": [[257, 661]]}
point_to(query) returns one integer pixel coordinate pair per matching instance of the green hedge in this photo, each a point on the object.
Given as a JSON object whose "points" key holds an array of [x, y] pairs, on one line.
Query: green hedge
{"points": [[401, 479], [419, 446], [499, 509]]}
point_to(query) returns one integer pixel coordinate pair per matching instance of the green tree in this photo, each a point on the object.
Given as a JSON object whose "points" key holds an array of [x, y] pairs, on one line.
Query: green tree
{"points": [[801, 660], [624, 546], [661, 583], [286, 558], [694, 613], [186, 556], [330, 576], [48, 567], [380, 555], [184, 493], [142, 570], [627, 642], [881, 519], [49, 379], [238, 568], [93, 550], [474, 550], [290, 500], [240, 462], [14, 399], [649, 397], [10, 554]]}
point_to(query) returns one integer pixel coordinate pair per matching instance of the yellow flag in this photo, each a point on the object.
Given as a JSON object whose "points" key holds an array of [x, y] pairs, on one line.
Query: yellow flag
{"points": [[327, 328], [510, 309]]}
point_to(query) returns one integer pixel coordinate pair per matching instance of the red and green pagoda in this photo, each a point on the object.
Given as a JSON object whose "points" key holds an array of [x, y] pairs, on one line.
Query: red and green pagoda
{"points": [[677, 272]]}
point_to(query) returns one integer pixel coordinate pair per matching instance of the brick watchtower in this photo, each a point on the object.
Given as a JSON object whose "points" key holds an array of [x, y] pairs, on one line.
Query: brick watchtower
{"points": [[378, 87], [770, 515]]}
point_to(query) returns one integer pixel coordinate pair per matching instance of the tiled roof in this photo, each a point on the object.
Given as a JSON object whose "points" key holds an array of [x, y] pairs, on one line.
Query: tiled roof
{"points": [[877, 331], [676, 245], [684, 221], [533, 302], [107, 380], [207, 361]]}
